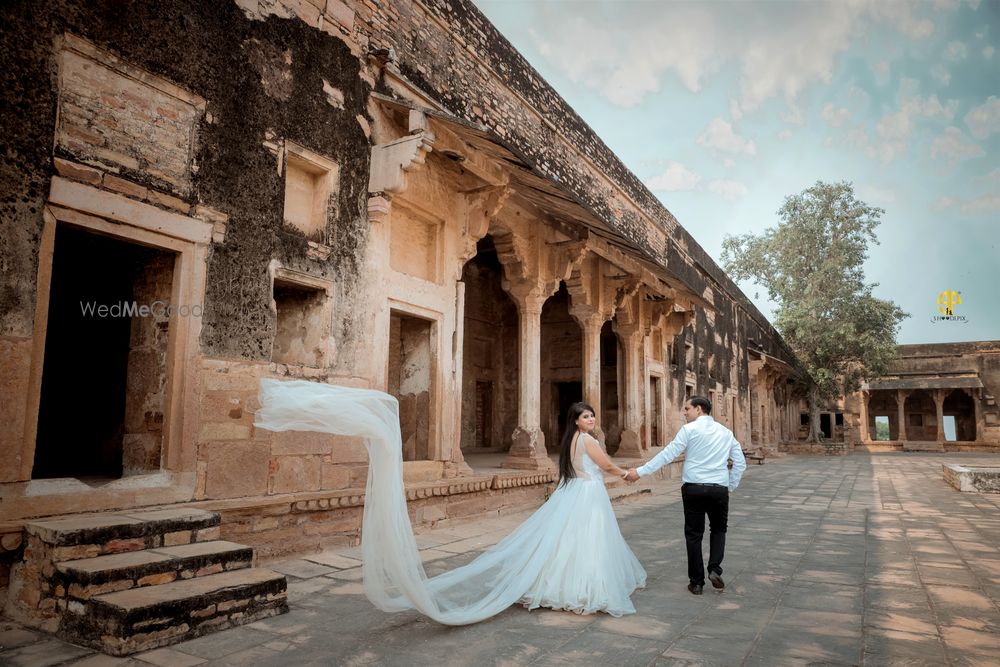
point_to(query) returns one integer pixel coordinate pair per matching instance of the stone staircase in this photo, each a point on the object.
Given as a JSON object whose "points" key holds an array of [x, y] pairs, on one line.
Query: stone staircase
{"points": [[133, 581]]}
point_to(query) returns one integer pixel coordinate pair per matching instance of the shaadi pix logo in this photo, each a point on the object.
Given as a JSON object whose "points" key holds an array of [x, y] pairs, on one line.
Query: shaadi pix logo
{"points": [[946, 302]]}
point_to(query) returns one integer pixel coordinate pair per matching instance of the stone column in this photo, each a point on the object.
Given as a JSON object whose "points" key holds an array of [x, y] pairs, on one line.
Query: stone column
{"points": [[901, 414], [980, 424], [631, 443], [527, 450], [939, 407], [864, 433], [590, 326]]}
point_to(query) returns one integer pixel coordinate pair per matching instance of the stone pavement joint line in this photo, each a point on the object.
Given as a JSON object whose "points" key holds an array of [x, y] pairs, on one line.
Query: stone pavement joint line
{"points": [[869, 559]]}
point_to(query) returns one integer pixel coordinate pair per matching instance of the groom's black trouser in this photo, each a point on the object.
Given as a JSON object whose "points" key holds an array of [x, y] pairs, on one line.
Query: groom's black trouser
{"points": [[699, 500]]}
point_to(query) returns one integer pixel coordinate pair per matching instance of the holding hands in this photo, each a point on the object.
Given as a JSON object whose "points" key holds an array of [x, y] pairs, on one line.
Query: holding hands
{"points": [[631, 475]]}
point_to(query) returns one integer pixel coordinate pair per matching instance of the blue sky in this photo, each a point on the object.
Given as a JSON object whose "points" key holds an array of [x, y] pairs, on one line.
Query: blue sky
{"points": [[725, 108]]}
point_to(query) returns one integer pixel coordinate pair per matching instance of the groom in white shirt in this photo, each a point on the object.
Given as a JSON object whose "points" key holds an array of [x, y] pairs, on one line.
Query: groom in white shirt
{"points": [[707, 447]]}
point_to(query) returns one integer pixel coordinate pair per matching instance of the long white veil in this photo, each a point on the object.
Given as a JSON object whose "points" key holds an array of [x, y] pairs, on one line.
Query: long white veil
{"points": [[394, 578]]}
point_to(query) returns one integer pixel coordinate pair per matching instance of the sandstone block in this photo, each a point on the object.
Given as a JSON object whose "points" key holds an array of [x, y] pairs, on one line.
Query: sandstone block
{"points": [[119, 546], [176, 538], [169, 201], [295, 473], [204, 613], [347, 450], [75, 552], [78, 172], [335, 476], [223, 431], [207, 534], [341, 13], [298, 442], [127, 188], [157, 579], [235, 469]]}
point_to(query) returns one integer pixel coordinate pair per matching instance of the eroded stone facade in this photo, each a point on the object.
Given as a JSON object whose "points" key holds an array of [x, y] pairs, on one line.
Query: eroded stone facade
{"points": [[378, 195]]}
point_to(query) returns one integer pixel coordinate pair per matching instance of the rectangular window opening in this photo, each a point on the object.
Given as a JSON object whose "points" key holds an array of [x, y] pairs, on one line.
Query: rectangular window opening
{"points": [[881, 427]]}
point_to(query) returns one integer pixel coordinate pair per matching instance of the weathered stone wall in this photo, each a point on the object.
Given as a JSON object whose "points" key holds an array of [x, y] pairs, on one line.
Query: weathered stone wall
{"points": [[262, 78]]}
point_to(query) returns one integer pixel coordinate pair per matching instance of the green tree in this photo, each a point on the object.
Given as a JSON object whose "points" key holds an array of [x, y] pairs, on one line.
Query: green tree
{"points": [[811, 265]]}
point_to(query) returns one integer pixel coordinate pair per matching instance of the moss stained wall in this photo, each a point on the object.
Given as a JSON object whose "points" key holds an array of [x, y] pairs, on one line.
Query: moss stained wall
{"points": [[257, 77]]}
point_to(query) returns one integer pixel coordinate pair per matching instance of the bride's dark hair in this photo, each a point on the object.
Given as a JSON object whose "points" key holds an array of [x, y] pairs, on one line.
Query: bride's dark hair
{"points": [[566, 469]]}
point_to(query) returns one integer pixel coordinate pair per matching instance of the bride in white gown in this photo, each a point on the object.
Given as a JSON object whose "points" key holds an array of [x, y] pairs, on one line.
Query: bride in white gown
{"points": [[567, 555]]}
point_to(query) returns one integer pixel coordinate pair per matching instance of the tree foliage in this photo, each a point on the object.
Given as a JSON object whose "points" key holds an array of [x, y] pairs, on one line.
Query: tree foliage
{"points": [[812, 266]]}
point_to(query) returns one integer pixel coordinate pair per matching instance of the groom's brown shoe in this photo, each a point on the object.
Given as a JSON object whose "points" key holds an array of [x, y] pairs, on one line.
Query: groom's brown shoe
{"points": [[695, 588], [716, 580]]}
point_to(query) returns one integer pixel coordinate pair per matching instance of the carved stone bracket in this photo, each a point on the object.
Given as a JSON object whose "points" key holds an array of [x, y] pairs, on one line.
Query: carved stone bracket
{"points": [[391, 162], [378, 209]]}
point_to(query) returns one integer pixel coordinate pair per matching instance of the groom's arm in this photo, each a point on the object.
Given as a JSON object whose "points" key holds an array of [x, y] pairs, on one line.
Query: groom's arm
{"points": [[671, 452]]}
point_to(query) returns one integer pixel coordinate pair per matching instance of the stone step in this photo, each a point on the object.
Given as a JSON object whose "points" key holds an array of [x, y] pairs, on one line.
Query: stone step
{"points": [[90, 535], [86, 577], [920, 446], [141, 619]]}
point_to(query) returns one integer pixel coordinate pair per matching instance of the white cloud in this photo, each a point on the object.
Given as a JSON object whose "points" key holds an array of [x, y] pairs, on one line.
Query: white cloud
{"points": [[992, 178], [982, 205], [941, 74], [876, 194], [632, 55], [945, 5], [894, 129], [785, 135], [900, 14], [988, 52], [954, 146], [728, 190], [984, 120], [729, 163], [956, 51], [835, 117], [734, 110], [719, 135], [677, 178], [942, 203]]}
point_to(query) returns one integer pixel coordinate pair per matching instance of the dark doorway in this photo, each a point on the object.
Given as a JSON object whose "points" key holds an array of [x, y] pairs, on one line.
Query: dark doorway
{"points": [[490, 387], [609, 419], [656, 413], [825, 425], [410, 378], [104, 375]]}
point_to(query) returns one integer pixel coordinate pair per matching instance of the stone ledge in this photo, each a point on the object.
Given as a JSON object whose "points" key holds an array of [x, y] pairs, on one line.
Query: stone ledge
{"points": [[972, 479]]}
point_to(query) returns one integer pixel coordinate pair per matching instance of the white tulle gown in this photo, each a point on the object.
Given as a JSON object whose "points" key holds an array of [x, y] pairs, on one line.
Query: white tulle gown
{"points": [[568, 555]]}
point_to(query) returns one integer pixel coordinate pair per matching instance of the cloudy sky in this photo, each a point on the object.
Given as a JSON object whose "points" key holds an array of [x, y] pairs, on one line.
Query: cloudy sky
{"points": [[725, 108]]}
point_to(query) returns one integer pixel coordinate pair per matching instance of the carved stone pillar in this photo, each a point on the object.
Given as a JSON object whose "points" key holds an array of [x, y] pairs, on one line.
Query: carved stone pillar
{"points": [[864, 431], [980, 423], [632, 344], [591, 325], [527, 450], [901, 414], [939, 408]]}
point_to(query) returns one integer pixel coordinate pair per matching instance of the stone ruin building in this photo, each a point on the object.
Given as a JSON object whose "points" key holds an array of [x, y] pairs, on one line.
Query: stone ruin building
{"points": [[943, 395], [197, 195]]}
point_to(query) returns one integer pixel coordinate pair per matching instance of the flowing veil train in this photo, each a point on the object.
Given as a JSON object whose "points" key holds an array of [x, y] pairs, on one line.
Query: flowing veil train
{"points": [[394, 577]]}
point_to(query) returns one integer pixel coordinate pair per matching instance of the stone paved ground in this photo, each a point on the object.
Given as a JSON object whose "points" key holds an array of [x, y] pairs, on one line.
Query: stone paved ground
{"points": [[868, 559]]}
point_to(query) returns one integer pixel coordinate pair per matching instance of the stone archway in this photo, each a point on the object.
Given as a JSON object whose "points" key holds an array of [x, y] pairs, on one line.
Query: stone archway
{"points": [[961, 407], [561, 365], [921, 416], [489, 354]]}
